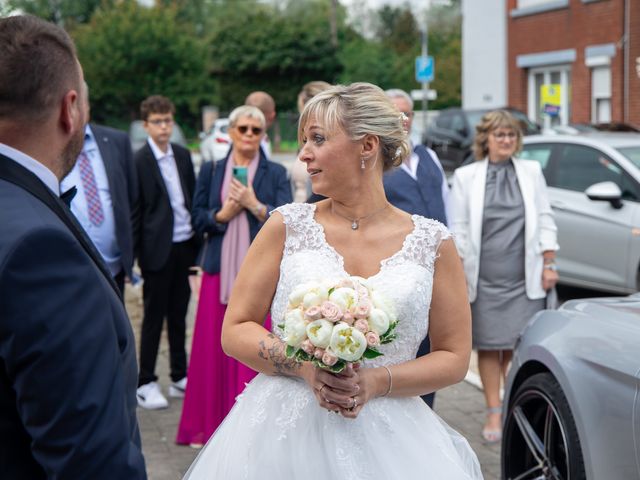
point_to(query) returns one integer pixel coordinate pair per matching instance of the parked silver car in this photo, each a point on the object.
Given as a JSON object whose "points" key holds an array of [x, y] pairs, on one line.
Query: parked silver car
{"points": [[572, 398], [594, 190], [217, 141]]}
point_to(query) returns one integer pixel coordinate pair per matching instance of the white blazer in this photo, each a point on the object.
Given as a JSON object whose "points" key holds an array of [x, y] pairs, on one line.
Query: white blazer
{"points": [[467, 211]]}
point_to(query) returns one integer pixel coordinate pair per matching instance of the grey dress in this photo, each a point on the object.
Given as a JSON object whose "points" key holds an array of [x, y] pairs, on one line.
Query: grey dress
{"points": [[502, 308]]}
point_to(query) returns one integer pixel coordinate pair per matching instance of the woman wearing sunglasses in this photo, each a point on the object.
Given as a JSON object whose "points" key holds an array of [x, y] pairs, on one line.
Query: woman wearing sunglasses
{"points": [[232, 200]]}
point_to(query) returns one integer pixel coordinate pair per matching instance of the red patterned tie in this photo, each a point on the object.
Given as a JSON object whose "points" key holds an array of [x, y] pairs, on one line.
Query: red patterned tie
{"points": [[96, 215]]}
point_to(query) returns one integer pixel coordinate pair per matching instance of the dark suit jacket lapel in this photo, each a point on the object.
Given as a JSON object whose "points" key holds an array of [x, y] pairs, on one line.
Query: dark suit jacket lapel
{"points": [[153, 166], [108, 160], [20, 176], [181, 166], [423, 178], [260, 171]]}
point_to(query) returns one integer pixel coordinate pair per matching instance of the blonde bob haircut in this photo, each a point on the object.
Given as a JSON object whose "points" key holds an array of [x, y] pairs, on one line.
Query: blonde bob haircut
{"points": [[358, 110], [247, 111], [490, 122]]}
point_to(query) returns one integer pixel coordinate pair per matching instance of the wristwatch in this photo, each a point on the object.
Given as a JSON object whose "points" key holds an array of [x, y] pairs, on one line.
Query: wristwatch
{"points": [[551, 266]]}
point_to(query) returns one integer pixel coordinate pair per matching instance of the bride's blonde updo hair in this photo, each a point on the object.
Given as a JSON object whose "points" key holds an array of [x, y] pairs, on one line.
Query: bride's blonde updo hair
{"points": [[357, 110]]}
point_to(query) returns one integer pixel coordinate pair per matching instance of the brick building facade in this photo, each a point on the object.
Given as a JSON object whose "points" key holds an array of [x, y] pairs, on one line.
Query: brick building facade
{"points": [[568, 61]]}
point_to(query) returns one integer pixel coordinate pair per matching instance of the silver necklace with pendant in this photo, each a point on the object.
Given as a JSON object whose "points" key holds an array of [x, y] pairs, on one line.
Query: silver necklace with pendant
{"points": [[355, 222]]}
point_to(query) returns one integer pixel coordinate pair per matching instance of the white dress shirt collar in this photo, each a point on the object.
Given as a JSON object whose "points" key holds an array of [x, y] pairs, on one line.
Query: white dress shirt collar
{"points": [[156, 149], [45, 175]]}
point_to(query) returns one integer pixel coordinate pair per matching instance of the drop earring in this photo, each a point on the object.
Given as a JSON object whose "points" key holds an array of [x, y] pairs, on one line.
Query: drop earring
{"points": [[362, 163]]}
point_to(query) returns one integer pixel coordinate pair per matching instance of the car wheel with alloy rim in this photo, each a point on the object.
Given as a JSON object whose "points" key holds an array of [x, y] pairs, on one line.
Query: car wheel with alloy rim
{"points": [[540, 440]]}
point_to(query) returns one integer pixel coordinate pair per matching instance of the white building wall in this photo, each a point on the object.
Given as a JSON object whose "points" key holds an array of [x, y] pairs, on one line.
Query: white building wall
{"points": [[484, 53]]}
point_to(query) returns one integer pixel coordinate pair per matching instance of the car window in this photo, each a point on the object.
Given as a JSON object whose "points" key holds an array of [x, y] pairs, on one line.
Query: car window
{"points": [[578, 167], [474, 118], [458, 124], [444, 120], [632, 153], [540, 152]]}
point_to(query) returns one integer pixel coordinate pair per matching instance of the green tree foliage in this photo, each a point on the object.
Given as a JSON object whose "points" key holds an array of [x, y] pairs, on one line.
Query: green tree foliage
{"points": [[132, 51], [63, 12], [445, 44], [258, 46]]}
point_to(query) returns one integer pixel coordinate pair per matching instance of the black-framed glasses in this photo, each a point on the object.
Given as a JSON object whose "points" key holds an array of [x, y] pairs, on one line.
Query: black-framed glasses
{"points": [[505, 135], [245, 128], [161, 121]]}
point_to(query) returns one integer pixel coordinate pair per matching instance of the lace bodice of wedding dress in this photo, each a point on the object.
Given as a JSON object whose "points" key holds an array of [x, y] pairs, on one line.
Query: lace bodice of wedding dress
{"points": [[406, 277]]}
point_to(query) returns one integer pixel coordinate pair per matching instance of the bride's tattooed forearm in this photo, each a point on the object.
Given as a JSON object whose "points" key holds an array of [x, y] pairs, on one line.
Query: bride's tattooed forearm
{"points": [[274, 352]]}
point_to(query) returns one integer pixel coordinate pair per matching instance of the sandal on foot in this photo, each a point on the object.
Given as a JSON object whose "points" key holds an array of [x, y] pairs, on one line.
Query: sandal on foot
{"points": [[490, 435]]}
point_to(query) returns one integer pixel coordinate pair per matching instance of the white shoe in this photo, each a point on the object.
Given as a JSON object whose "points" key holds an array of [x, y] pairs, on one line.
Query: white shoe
{"points": [[150, 397], [177, 389]]}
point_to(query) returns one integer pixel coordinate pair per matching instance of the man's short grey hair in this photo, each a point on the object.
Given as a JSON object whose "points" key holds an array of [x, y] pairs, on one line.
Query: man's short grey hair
{"points": [[397, 93]]}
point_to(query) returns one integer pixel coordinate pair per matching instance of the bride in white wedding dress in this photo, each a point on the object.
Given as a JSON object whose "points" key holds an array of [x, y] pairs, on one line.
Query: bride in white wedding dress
{"points": [[296, 421]]}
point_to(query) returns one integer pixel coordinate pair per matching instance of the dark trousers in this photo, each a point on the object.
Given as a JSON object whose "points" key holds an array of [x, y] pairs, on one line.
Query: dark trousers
{"points": [[166, 294], [425, 347]]}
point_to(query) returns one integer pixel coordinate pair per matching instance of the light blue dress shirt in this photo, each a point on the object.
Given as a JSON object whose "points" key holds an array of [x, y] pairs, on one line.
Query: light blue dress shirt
{"points": [[104, 235]]}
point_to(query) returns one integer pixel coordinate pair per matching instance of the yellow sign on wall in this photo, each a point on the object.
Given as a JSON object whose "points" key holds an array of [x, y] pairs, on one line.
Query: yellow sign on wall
{"points": [[550, 99]]}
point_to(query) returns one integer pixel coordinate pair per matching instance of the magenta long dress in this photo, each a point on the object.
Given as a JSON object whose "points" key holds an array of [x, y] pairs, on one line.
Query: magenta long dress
{"points": [[214, 379]]}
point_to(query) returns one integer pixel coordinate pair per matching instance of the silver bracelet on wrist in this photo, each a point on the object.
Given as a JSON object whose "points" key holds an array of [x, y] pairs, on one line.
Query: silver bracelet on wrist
{"points": [[390, 380]]}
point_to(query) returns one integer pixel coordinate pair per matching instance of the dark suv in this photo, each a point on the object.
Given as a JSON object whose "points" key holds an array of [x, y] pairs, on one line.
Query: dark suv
{"points": [[451, 134]]}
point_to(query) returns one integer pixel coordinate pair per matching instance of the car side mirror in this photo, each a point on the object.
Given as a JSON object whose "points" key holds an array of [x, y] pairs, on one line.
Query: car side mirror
{"points": [[605, 191]]}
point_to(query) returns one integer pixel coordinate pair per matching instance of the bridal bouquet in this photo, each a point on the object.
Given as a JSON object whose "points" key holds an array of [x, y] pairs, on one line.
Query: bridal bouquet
{"points": [[331, 323]]}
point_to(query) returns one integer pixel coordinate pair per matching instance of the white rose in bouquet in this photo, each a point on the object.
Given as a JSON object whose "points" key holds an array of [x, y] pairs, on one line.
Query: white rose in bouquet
{"points": [[344, 297], [297, 295], [319, 332], [311, 299], [347, 343], [378, 321], [381, 302], [295, 328]]}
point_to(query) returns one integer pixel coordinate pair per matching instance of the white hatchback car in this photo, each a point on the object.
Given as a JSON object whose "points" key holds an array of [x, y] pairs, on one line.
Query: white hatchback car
{"points": [[594, 190], [217, 142]]}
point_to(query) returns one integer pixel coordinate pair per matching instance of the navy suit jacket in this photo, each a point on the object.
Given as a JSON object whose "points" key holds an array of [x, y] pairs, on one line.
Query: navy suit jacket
{"points": [[271, 187], [115, 150], [422, 196], [153, 221], [68, 372]]}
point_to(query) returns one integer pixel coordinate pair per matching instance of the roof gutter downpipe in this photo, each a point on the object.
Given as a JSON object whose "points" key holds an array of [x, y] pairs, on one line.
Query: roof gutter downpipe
{"points": [[627, 6]]}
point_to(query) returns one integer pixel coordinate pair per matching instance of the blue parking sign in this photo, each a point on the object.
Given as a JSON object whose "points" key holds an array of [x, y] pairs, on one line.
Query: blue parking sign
{"points": [[424, 69]]}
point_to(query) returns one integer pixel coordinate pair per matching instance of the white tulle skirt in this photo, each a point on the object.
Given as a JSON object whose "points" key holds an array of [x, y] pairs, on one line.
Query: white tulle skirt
{"points": [[277, 431]]}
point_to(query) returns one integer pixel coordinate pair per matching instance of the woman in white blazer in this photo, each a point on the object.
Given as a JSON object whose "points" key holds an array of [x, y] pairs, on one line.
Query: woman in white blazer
{"points": [[505, 233]]}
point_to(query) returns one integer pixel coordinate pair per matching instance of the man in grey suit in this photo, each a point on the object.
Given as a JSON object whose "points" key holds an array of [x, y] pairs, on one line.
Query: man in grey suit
{"points": [[68, 372], [105, 177]]}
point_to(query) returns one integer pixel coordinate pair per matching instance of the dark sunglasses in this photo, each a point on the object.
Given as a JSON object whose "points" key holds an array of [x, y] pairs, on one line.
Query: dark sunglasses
{"points": [[243, 129]]}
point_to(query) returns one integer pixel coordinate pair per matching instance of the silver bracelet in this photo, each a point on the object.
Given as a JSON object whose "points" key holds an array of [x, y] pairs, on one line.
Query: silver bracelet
{"points": [[390, 380]]}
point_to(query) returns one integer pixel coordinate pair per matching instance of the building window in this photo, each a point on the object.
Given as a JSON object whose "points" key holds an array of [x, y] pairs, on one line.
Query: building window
{"points": [[533, 3], [549, 95], [601, 94]]}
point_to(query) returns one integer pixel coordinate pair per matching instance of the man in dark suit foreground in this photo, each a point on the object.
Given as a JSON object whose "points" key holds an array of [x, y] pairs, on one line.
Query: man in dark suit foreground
{"points": [[166, 248], [105, 177], [67, 359]]}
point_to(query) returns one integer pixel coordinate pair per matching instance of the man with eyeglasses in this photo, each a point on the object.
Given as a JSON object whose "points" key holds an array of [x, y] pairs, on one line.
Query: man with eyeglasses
{"points": [[166, 248], [418, 186]]}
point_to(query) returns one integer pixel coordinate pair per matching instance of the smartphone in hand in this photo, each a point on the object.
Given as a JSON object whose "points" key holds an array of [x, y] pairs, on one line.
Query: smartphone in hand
{"points": [[241, 174]]}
